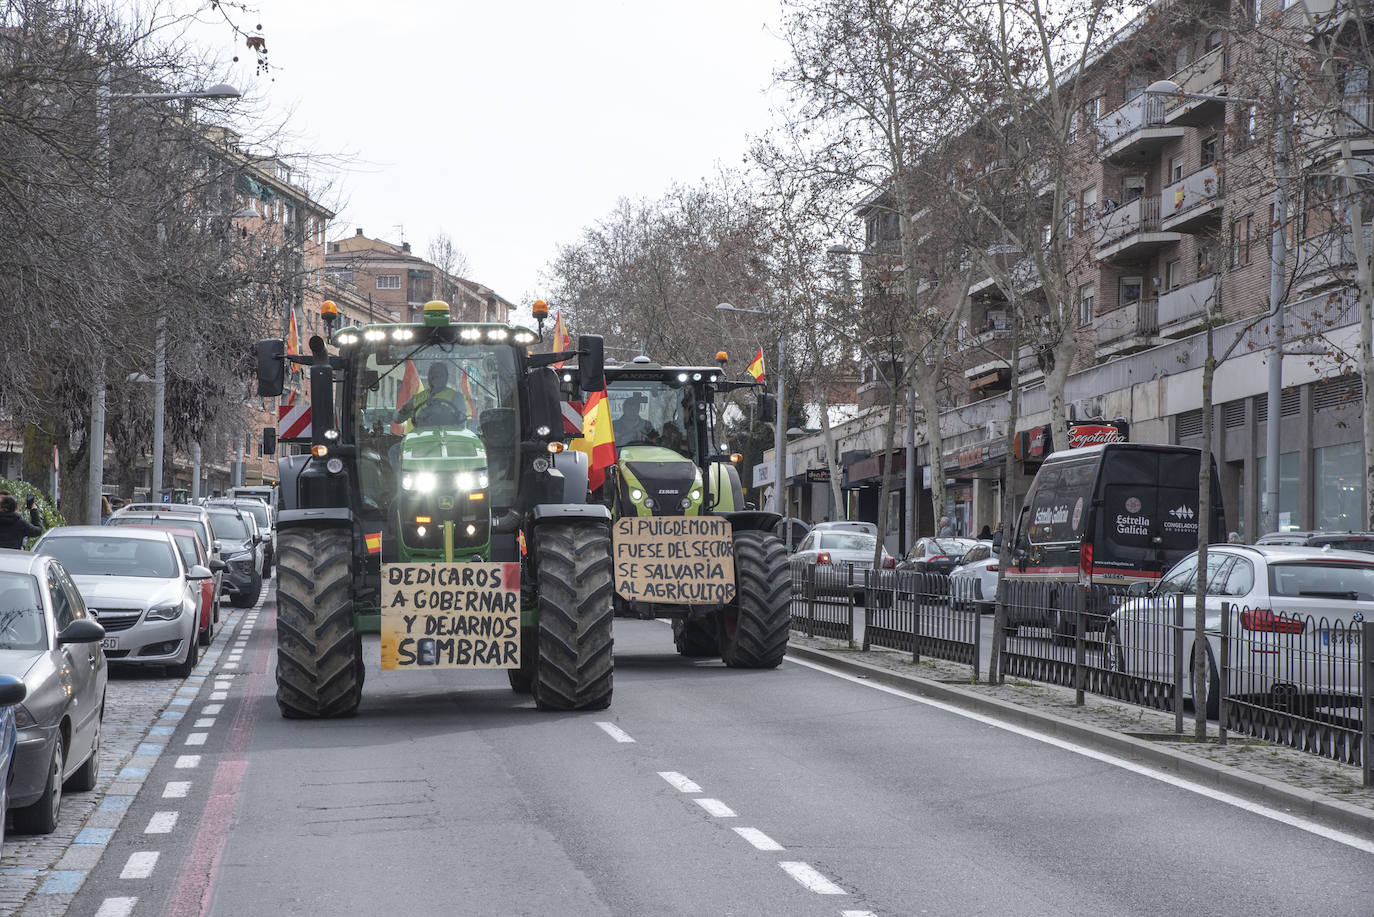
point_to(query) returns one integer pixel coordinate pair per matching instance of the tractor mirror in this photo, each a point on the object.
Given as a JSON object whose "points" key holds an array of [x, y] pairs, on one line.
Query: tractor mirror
{"points": [[768, 408], [546, 412], [271, 367], [269, 440], [591, 363]]}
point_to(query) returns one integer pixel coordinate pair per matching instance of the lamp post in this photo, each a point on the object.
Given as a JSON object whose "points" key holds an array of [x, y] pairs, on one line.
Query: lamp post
{"points": [[1278, 254], [96, 474], [779, 424]]}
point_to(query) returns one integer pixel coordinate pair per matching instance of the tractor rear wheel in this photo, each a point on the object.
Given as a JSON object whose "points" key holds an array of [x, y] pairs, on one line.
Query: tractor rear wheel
{"points": [[319, 656], [574, 668], [754, 627], [699, 638]]}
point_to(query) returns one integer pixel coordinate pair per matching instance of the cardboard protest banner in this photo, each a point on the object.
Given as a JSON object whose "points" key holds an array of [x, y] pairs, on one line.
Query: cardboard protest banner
{"points": [[450, 616], [678, 560]]}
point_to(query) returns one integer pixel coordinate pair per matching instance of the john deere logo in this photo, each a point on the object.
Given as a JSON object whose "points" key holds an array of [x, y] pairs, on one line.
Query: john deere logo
{"points": [[446, 502], [1132, 505]]}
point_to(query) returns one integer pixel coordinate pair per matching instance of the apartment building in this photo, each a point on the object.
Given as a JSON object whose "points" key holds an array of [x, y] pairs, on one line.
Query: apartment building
{"points": [[1170, 205]]}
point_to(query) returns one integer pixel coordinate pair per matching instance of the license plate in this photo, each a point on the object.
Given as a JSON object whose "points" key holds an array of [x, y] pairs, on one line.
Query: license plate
{"points": [[109, 643], [1340, 637]]}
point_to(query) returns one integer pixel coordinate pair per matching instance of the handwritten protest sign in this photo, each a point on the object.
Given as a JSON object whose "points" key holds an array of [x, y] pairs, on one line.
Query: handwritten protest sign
{"points": [[450, 616], [680, 560]]}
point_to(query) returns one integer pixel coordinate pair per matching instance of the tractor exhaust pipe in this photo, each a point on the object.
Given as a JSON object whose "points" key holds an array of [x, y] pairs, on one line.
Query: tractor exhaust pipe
{"points": [[321, 391]]}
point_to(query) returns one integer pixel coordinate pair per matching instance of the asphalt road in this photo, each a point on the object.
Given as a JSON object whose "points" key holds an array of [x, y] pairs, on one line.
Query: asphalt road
{"points": [[701, 790]]}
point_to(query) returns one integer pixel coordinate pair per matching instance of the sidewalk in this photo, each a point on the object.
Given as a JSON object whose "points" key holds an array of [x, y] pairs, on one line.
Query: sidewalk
{"points": [[1283, 778]]}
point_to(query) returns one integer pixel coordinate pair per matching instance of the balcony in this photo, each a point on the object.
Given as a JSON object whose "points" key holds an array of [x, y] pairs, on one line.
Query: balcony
{"points": [[1136, 128], [1328, 259], [1205, 75], [1355, 121], [993, 367], [1132, 231], [1182, 310], [1024, 277], [1132, 327], [1194, 202]]}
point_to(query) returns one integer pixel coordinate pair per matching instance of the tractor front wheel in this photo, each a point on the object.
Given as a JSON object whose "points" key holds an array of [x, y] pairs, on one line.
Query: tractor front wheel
{"points": [[319, 656], [753, 633], [574, 667]]}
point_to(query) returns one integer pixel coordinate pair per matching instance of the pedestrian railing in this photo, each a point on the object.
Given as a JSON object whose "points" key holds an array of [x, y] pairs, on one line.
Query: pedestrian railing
{"points": [[917, 613], [823, 601]]}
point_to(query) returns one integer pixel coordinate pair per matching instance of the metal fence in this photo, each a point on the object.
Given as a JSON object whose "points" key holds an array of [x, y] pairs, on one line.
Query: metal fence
{"points": [[917, 613], [823, 601]]}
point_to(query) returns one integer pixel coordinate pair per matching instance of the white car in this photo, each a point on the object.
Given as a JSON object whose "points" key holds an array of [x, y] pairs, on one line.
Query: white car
{"points": [[1295, 613], [973, 584], [135, 582], [837, 557]]}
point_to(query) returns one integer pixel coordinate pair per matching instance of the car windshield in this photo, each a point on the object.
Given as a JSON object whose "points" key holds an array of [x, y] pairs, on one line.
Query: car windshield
{"points": [[258, 510], [1353, 581], [229, 526], [953, 546], [653, 412], [21, 613], [96, 555], [847, 541]]}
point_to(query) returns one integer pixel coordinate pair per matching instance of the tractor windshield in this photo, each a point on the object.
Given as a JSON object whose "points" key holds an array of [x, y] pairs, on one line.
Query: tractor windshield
{"points": [[655, 412], [409, 388]]}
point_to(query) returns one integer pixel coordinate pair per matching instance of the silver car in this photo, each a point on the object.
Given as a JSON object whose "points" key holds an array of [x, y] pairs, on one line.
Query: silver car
{"points": [[262, 517], [48, 640], [837, 559], [135, 582], [240, 546]]}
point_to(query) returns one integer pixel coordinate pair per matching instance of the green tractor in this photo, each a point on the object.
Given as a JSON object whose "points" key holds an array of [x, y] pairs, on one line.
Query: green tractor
{"points": [[458, 483], [669, 465]]}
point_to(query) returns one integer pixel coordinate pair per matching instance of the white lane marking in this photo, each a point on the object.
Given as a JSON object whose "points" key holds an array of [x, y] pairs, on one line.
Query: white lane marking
{"points": [[116, 907], [679, 782], [814, 881], [196, 738], [176, 789], [219, 695], [188, 761], [1302, 824], [760, 840], [615, 732], [715, 807], [211, 709], [857, 914], [161, 823], [140, 865], [230, 665], [204, 722]]}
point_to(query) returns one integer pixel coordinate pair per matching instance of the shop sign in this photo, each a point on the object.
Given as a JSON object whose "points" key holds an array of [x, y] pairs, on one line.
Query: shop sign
{"points": [[818, 475]]}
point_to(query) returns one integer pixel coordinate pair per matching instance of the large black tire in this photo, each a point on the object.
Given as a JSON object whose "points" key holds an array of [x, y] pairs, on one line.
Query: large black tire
{"points": [[753, 633], [41, 817], [575, 667], [699, 638], [319, 656], [522, 679]]}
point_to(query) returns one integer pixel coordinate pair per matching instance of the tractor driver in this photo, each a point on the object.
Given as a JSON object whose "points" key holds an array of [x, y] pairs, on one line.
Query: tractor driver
{"points": [[630, 427], [435, 405]]}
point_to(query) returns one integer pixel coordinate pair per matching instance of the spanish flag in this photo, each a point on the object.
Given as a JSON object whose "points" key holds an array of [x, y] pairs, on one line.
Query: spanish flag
{"points": [[597, 441], [410, 384], [466, 390], [293, 340], [561, 341], [755, 367], [374, 542]]}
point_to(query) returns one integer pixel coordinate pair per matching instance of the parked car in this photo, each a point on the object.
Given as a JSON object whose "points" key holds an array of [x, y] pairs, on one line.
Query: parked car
{"points": [[12, 691], [937, 555], [193, 554], [847, 525], [973, 584], [50, 642], [1273, 589], [798, 527], [1340, 541], [240, 548], [135, 582], [197, 522], [836, 556], [262, 517]]}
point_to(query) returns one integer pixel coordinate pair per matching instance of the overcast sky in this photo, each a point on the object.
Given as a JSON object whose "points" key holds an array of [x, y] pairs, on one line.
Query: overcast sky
{"points": [[513, 125]]}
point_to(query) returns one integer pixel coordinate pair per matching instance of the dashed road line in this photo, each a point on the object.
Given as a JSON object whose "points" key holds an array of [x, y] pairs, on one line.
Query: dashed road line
{"points": [[760, 840], [116, 907], [161, 823], [176, 789], [211, 709], [615, 732], [204, 722], [197, 738], [140, 865], [857, 914], [187, 761], [715, 808], [807, 875], [680, 782]]}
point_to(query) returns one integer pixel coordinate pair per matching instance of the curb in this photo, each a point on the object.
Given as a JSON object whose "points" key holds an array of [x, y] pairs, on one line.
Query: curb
{"points": [[1329, 812]]}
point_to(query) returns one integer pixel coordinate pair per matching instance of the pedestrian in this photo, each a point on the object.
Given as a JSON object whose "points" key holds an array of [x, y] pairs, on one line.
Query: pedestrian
{"points": [[35, 517], [985, 533], [105, 510], [14, 528], [1234, 538], [946, 530]]}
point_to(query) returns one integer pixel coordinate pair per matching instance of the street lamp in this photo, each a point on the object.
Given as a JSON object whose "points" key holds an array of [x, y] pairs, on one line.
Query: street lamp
{"points": [[779, 443], [1278, 254], [96, 474]]}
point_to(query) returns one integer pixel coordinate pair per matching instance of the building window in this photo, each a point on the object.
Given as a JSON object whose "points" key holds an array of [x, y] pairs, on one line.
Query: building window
{"points": [[1086, 295], [1240, 242], [1339, 502], [1175, 168], [1070, 217], [1173, 274], [1206, 259], [1131, 289], [388, 281], [1133, 187], [1289, 487], [1087, 205], [1211, 149]]}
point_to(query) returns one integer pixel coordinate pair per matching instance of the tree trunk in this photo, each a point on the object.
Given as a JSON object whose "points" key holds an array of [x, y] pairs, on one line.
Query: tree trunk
{"points": [[885, 492], [1004, 559], [1055, 379], [927, 391], [1204, 536], [832, 460]]}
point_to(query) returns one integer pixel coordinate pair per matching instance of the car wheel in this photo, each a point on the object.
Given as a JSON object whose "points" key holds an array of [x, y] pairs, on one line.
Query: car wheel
{"points": [[207, 633], [41, 817], [1113, 653], [189, 664]]}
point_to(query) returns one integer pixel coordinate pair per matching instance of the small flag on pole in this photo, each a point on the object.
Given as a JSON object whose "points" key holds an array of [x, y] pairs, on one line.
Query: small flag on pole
{"points": [[561, 341], [293, 340], [755, 367], [374, 542]]}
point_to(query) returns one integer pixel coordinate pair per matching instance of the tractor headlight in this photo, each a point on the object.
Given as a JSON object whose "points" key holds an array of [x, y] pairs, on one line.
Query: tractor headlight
{"points": [[420, 531], [168, 612], [483, 480], [425, 482], [696, 496], [407, 482], [334, 465], [648, 502], [540, 465], [465, 480], [636, 494]]}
